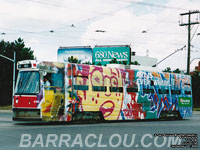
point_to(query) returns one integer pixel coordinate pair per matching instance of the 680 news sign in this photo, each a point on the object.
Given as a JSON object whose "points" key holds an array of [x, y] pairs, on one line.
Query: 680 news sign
{"points": [[111, 54], [106, 54]]}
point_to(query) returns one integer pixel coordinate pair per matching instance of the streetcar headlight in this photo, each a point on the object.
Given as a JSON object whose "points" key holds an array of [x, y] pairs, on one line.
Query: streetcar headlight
{"points": [[17, 101]]}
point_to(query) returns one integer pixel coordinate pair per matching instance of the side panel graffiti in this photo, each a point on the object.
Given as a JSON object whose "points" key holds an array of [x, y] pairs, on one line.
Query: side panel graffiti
{"points": [[122, 94]]}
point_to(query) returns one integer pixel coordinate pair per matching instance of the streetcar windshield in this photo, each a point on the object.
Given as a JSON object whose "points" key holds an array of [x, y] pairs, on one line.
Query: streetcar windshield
{"points": [[28, 82]]}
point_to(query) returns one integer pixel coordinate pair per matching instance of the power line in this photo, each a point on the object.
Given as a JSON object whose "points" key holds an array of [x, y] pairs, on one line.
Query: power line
{"points": [[132, 1], [69, 25], [44, 3], [109, 13], [54, 34], [152, 5], [195, 32], [196, 47]]}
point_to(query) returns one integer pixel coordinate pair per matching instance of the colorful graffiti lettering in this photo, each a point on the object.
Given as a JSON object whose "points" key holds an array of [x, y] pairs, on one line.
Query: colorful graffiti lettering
{"points": [[124, 104]]}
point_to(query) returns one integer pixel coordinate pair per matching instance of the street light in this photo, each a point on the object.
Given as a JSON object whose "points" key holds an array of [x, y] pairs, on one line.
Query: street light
{"points": [[14, 62]]}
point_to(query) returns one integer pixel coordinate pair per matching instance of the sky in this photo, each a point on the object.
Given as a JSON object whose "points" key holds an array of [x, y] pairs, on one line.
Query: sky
{"points": [[151, 25]]}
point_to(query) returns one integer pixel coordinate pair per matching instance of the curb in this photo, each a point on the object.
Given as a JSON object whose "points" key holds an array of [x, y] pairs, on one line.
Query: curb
{"points": [[5, 111]]}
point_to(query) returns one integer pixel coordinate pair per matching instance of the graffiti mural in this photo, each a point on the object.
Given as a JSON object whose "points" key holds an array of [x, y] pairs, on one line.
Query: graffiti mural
{"points": [[91, 90], [124, 94]]}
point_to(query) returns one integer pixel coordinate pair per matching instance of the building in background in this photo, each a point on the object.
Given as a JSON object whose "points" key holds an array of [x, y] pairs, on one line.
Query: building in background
{"points": [[144, 60], [82, 53], [104, 54]]}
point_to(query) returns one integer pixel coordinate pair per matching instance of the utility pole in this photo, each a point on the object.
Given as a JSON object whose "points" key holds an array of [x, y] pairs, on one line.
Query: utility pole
{"points": [[189, 23]]}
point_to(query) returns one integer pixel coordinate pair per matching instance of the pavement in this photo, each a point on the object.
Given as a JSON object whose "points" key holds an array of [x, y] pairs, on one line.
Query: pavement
{"points": [[109, 135], [196, 112]]}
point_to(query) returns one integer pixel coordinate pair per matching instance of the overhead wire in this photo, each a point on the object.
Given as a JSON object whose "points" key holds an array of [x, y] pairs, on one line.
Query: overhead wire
{"points": [[74, 37], [132, 1], [109, 13], [195, 32], [151, 4], [44, 3]]}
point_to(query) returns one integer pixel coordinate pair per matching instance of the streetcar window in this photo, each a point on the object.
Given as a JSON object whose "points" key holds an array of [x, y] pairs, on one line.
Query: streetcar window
{"points": [[148, 90], [163, 91], [81, 83], [187, 92], [54, 79], [28, 82], [80, 76], [132, 89], [57, 79], [99, 88], [81, 87], [175, 92], [116, 89], [152, 83]]}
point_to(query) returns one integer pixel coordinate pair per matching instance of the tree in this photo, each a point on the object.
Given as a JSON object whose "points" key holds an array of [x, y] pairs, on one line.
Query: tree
{"points": [[99, 64], [124, 62], [177, 71], [135, 63], [6, 67], [114, 61], [168, 69], [87, 63], [71, 59]]}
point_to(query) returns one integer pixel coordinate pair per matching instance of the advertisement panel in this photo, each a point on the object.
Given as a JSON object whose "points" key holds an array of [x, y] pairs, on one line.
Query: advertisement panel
{"points": [[82, 53], [185, 101], [107, 53]]}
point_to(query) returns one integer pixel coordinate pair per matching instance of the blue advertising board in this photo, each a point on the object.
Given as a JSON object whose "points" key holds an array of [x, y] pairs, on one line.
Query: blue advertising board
{"points": [[82, 53]]}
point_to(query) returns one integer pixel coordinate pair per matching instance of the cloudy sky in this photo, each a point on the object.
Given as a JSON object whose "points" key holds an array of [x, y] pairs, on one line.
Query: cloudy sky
{"points": [[152, 25]]}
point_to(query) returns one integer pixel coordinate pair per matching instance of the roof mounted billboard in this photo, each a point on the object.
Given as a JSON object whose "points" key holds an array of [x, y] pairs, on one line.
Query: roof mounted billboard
{"points": [[106, 53], [82, 53]]}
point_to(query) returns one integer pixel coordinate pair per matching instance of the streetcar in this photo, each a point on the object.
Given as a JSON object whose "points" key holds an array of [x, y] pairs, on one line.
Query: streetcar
{"points": [[78, 92]]}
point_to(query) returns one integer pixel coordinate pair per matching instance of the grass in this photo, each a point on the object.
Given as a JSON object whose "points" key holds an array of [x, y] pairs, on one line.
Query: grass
{"points": [[9, 107]]}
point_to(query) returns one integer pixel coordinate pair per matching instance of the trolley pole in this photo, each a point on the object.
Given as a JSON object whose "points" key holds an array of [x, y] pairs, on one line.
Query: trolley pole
{"points": [[189, 32], [170, 55]]}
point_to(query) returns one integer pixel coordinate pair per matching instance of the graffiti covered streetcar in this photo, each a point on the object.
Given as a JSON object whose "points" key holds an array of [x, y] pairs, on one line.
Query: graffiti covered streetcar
{"points": [[84, 92]]}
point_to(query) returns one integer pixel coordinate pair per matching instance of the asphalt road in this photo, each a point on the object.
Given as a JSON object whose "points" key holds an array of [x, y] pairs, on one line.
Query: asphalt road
{"points": [[110, 135]]}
